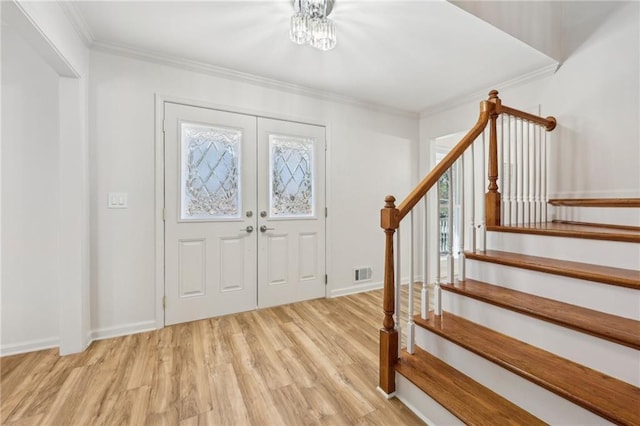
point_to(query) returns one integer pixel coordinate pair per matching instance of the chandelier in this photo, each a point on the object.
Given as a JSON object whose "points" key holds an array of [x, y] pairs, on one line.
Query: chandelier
{"points": [[310, 25]]}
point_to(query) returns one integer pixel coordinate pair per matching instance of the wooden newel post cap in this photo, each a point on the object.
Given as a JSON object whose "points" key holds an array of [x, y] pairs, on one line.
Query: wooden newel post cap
{"points": [[389, 202], [493, 94], [389, 214]]}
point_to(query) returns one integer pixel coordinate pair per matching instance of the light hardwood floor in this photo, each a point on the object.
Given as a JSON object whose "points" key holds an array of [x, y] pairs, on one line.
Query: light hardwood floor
{"points": [[308, 363]]}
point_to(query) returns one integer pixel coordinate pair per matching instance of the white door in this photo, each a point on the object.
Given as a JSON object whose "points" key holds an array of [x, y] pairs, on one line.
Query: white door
{"points": [[245, 212], [291, 223], [210, 198]]}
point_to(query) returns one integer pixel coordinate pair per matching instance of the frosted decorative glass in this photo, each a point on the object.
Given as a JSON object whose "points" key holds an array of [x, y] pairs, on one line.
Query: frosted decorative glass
{"points": [[291, 176], [210, 172]]}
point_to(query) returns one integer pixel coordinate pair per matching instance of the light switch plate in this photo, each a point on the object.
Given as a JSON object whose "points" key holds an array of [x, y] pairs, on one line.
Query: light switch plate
{"points": [[117, 200]]}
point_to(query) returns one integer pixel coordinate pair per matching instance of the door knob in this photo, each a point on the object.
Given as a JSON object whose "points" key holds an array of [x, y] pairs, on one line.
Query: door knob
{"points": [[264, 228], [249, 229]]}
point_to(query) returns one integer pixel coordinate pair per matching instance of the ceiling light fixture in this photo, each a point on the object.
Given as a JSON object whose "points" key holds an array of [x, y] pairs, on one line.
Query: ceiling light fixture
{"points": [[310, 24]]}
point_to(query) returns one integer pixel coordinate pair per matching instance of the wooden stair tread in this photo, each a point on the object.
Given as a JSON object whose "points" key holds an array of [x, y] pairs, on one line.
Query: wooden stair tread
{"points": [[602, 225], [604, 274], [616, 329], [596, 202], [571, 230], [465, 398], [605, 396]]}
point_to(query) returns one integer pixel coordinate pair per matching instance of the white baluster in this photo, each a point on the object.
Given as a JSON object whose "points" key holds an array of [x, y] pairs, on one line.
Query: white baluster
{"points": [[504, 188], [437, 306], [545, 188], [450, 264], [472, 195], [460, 221], [397, 289], [525, 171], [483, 210], [411, 326], [500, 137], [519, 186], [512, 201], [538, 217], [424, 294], [532, 171]]}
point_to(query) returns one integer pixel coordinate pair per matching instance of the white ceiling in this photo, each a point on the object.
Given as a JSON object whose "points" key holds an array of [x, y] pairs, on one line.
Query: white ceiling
{"points": [[408, 55]]}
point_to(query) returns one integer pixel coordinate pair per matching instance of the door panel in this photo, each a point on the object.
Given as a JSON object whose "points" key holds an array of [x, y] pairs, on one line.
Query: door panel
{"points": [[291, 200], [210, 185]]}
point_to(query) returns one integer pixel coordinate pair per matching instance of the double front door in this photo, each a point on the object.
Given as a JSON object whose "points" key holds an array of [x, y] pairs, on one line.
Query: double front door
{"points": [[245, 212]]}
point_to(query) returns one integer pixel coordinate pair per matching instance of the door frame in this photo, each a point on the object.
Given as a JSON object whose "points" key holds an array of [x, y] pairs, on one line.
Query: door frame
{"points": [[159, 204]]}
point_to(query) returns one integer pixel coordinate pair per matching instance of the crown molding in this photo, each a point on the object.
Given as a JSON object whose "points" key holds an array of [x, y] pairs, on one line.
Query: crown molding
{"points": [[204, 68], [482, 94], [78, 22]]}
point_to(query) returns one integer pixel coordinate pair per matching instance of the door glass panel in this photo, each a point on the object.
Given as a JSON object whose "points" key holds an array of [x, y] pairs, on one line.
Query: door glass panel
{"points": [[210, 172], [291, 188]]}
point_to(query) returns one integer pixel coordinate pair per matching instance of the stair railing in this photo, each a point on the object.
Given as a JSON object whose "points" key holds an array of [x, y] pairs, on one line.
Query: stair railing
{"points": [[521, 146]]}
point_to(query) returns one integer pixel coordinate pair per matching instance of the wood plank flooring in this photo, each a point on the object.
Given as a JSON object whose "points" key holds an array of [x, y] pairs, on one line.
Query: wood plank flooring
{"points": [[308, 363]]}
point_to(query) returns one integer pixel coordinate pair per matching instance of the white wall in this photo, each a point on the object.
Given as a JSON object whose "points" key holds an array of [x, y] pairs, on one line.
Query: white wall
{"points": [[47, 283], [30, 192], [595, 97], [371, 154]]}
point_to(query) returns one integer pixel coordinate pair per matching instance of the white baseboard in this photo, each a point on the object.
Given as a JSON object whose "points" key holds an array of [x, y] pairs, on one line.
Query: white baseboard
{"points": [[29, 346], [356, 288], [123, 330], [361, 288]]}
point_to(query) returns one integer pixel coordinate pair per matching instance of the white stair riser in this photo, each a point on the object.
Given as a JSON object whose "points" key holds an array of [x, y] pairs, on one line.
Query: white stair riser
{"points": [[610, 215], [543, 404], [422, 405], [598, 252], [610, 358], [615, 300]]}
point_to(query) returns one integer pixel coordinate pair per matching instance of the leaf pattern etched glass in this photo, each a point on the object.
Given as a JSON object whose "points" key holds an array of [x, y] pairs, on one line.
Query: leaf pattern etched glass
{"points": [[210, 172], [291, 176]]}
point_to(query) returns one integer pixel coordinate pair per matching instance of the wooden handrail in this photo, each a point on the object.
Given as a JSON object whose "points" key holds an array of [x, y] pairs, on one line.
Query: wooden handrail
{"points": [[390, 217], [549, 123], [486, 109]]}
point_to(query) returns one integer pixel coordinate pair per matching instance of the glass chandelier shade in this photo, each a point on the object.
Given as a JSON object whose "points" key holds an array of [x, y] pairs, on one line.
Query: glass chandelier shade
{"points": [[310, 25]]}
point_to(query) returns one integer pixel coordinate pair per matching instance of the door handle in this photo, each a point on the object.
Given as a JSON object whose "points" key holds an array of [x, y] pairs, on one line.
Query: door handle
{"points": [[248, 229], [264, 228]]}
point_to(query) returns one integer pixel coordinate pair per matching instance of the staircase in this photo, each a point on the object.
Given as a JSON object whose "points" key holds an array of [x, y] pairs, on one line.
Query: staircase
{"points": [[536, 339], [541, 325]]}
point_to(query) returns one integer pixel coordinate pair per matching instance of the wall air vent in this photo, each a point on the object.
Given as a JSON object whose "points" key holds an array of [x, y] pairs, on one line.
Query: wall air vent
{"points": [[362, 274]]}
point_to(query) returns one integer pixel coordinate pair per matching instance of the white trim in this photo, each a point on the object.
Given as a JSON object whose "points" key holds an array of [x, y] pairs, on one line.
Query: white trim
{"points": [[201, 67], [78, 22], [160, 100], [29, 346], [327, 206], [386, 395], [482, 93], [28, 28], [201, 103], [421, 395], [123, 330], [158, 211]]}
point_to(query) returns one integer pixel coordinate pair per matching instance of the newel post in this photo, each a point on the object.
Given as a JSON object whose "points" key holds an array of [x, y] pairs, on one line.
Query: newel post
{"points": [[389, 221], [492, 197]]}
